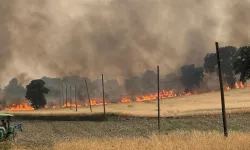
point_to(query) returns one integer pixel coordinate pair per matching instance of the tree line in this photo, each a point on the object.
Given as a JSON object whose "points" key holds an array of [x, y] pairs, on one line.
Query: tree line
{"points": [[234, 61]]}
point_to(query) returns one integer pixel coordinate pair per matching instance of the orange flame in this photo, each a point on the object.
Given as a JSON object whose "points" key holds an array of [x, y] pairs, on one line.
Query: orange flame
{"points": [[145, 97], [150, 97], [67, 104], [125, 100], [23, 106], [95, 102], [227, 88]]}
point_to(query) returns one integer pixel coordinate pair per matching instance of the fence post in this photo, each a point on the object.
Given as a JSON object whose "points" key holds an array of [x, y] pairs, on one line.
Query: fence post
{"points": [[61, 103], [70, 97], [103, 98], [66, 99], [222, 92], [90, 107], [158, 89], [75, 98]]}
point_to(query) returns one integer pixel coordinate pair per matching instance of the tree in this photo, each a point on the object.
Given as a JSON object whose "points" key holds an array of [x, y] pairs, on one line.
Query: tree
{"points": [[35, 93], [191, 76], [226, 56], [241, 63]]}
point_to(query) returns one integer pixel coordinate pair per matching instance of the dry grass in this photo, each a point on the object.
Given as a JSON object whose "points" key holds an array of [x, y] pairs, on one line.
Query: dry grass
{"points": [[180, 140], [201, 103], [47, 134], [126, 132]]}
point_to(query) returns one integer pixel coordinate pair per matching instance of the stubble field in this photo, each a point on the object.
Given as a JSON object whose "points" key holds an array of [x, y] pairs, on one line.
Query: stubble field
{"points": [[187, 122]]}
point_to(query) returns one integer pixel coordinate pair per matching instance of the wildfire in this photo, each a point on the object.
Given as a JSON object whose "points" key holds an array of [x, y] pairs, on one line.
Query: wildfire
{"points": [[125, 100], [187, 94], [227, 88], [23, 106], [67, 104], [239, 85], [95, 101], [151, 97]]}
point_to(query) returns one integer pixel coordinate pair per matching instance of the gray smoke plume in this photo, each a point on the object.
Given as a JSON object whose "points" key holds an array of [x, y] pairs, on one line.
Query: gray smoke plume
{"points": [[13, 93], [115, 37]]}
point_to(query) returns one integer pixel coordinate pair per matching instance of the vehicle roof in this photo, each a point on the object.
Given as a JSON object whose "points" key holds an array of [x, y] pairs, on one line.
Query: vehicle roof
{"points": [[6, 115]]}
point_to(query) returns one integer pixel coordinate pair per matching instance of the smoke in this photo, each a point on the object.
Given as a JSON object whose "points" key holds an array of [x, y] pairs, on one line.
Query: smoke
{"points": [[57, 87], [115, 37], [238, 22], [13, 93]]}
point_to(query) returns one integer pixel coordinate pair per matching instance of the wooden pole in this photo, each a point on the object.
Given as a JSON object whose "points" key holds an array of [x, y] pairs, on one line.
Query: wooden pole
{"points": [[222, 92], [103, 98], [66, 100], [158, 92], [70, 97], [90, 107], [62, 97], [75, 98]]}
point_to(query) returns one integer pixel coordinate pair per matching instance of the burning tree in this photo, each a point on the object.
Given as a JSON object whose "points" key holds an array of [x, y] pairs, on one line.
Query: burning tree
{"points": [[191, 76], [35, 93], [241, 63], [226, 54]]}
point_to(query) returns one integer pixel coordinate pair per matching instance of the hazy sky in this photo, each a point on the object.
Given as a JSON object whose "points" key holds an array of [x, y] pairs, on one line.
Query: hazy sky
{"points": [[115, 37]]}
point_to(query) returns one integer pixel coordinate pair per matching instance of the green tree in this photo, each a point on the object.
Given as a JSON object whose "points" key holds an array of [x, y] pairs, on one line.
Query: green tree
{"points": [[241, 63], [226, 56], [191, 77], [35, 93]]}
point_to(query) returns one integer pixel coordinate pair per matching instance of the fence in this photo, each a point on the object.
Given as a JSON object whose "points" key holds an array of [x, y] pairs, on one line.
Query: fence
{"points": [[148, 95], [156, 96]]}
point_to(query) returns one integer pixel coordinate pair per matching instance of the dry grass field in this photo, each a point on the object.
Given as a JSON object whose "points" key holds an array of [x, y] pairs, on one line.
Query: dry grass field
{"points": [[236, 100], [200, 132], [137, 130], [194, 140]]}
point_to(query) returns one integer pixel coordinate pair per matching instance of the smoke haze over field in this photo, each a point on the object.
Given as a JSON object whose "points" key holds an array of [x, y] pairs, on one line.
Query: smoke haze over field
{"points": [[115, 37]]}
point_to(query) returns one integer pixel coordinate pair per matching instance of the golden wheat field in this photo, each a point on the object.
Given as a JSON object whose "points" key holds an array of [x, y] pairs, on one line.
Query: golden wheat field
{"points": [[138, 129]]}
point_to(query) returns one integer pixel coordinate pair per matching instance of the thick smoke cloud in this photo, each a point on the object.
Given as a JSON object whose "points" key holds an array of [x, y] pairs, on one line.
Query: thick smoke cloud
{"points": [[13, 93], [238, 22], [115, 37]]}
